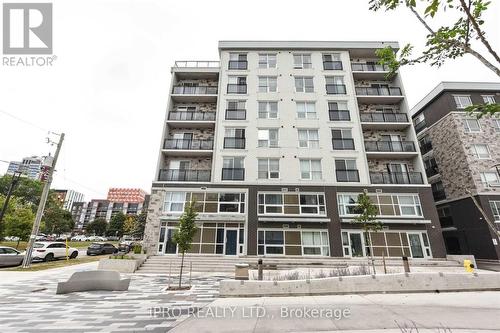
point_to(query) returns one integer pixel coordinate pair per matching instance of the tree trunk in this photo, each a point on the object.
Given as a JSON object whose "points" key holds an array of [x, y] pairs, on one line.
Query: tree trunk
{"points": [[17, 245], [485, 62], [371, 253], [180, 273]]}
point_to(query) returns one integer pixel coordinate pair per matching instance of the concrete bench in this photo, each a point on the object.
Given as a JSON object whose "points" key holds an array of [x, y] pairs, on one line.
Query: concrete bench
{"points": [[93, 280]]}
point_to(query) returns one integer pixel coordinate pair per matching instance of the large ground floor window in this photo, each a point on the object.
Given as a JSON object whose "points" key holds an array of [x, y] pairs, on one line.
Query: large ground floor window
{"points": [[210, 238], [413, 244], [292, 242]]}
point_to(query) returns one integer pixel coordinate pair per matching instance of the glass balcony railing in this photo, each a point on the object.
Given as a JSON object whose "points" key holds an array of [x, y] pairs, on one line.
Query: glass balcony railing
{"points": [[236, 114], [236, 88], [390, 146], [347, 175], [233, 174], [343, 144], [180, 175], [186, 144], [234, 143], [396, 178], [378, 91], [191, 116], [335, 89], [362, 67], [238, 64], [339, 115], [198, 90], [383, 117], [332, 65]]}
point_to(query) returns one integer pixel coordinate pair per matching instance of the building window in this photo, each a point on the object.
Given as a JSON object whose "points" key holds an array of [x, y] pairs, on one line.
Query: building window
{"points": [[234, 138], [346, 170], [233, 168], [302, 61], [342, 139], [268, 138], [270, 242], [236, 84], [332, 61], [315, 243], [495, 209], [338, 111], [496, 124], [267, 60], [267, 83], [268, 110], [489, 99], [174, 202], [481, 151], [335, 85], [472, 125], [268, 168], [308, 138], [310, 169], [490, 178], [462, 101], [237, 61], [291, 203], [306, 110], [304, 84], [407, 205], [236, 110]]}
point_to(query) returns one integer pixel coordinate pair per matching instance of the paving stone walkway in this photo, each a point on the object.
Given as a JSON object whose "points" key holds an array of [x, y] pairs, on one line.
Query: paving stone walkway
{"points": [[33, 306]]}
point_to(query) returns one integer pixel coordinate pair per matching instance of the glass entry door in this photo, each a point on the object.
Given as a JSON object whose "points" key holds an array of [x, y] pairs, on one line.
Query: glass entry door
{"points": [[356, 240], [416, 247], [231, 243]]}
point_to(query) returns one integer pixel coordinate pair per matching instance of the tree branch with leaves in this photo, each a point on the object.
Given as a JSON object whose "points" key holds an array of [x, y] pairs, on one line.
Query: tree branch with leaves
{"points": [[183, 236]]}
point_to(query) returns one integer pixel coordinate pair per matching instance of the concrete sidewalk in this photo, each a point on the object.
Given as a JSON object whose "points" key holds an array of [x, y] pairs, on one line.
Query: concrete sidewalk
{"points": [[455, 312]]}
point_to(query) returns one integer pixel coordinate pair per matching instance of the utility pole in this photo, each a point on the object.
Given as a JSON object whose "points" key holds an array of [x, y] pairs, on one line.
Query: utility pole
{"points": [[13, 183], [41, 206]]}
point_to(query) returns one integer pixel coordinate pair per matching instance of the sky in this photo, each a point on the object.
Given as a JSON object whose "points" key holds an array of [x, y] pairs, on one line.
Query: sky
{"points": [[108, 88]]}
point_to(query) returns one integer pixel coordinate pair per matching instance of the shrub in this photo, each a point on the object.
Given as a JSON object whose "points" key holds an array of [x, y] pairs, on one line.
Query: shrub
{"points": [[137, 249]]}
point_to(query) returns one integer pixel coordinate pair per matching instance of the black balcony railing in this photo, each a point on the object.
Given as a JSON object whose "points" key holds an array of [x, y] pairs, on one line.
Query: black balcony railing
{"points": [[420, 126], [236, 114], [378, 91], [439, 195], [390, 146], [432, 171], [233, 88], [361, 67], [339, 115], [384, 117], [198, 90], [233, 174], [347, 175], [191, 116], [425, 147], [446, 221], [179, 175], [332, 65], [187, 144], [396, 178], [343, 144], [335, 89], [238, 64], [234, 143]]}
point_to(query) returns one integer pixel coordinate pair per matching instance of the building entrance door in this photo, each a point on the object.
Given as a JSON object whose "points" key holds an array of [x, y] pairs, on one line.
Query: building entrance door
{"points": [[231, 244]]}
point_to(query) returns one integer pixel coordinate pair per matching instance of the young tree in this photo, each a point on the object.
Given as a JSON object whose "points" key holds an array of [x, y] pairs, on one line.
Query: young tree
{"points": [[130, 224], [140, 225], [463, 36], [97, 227], [115, 227], [368, 219], [183, 236], [20, 223]]}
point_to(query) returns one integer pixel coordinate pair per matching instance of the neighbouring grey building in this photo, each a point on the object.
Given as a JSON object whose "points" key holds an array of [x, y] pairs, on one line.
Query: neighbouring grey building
{"points": [[275, 142], [462, 154], [68, 197]]}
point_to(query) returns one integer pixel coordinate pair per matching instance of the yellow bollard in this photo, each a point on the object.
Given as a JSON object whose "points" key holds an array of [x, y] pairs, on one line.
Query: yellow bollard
{"points": [[469, 266]]}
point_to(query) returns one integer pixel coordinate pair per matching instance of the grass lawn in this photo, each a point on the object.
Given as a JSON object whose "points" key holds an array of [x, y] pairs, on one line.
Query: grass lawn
{"points": [[56, 263], [78, 245]]}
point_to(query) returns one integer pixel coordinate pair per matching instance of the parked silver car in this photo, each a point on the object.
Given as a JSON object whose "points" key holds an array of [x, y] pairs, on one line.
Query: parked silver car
{"points": [[10, 256]]}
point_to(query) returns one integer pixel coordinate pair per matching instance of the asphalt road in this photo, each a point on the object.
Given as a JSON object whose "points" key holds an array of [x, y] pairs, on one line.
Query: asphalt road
{"points": [[427, 312]]}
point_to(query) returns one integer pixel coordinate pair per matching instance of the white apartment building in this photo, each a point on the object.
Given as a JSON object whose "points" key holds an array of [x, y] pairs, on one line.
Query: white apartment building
{"points": [[275, 141]]}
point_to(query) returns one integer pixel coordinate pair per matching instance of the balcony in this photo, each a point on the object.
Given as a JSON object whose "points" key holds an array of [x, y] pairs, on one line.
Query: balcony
{"points": [[384, 120], [347, 175], [439, 195], [396, 178], [191, 119], [194, 94], [233, 88], [364, 71], [237, 64], [240, 114], [234, 143], [432, 171], [378, 95], [419, 127], [179, 175], [197, 64], [425, 147], [390, 149], [332, 65], [186, 147], [189, 70], [446, 222], [339, 115], [335, 89], [343, 144], [233, 174]]}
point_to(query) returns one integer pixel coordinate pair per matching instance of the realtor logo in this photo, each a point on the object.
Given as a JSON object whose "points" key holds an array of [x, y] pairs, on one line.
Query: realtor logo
{"points": [[27, 28]]}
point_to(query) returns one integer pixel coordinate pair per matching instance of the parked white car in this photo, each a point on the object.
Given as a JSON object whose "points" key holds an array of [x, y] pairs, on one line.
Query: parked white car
{"points": [[97, 239], [48, 251], [79, 238], [11, 238]]}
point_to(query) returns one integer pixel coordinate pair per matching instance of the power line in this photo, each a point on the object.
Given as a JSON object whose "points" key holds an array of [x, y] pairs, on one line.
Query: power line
{"points": [[25, 121]]}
